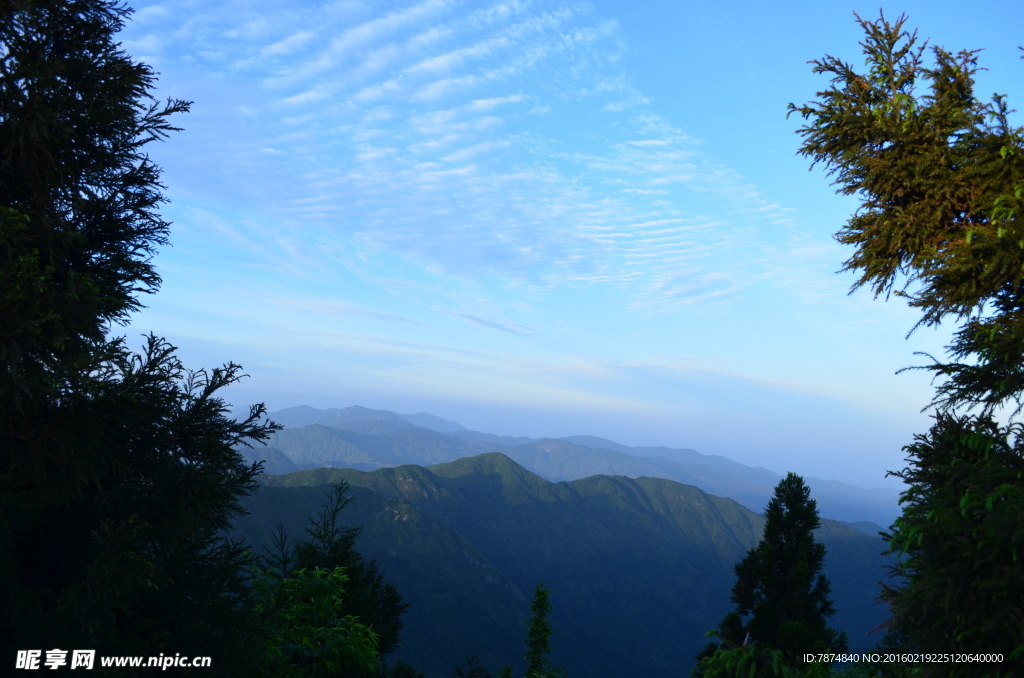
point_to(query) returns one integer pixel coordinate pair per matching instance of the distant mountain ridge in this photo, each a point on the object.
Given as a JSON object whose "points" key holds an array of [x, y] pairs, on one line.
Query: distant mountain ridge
{"points": [[638, 569], [304, 415], [365, 439]]}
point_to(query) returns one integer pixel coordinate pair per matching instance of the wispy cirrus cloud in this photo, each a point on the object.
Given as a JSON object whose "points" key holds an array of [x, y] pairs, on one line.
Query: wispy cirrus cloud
{"points": [[437, 130], [366, 192], [341, 308], [491, 323]]}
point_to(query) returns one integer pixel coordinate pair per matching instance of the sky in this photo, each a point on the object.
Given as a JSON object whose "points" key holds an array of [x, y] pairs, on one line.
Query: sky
{"points": [[538, 218]]}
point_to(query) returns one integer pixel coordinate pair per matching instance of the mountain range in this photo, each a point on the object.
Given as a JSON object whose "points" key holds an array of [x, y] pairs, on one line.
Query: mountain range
{"points": [[639, 569], [367, 439]]}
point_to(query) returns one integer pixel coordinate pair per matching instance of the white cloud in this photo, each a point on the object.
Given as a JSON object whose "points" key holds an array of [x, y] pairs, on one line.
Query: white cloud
{"points": [[289, 45], [340, 308], [497, 324], [477, 149], [440, 135]]}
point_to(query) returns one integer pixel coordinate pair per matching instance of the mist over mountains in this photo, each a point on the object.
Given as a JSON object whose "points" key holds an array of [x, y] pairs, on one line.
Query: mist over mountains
{"points": [[366, 439], [639, 569], [636, 544]]}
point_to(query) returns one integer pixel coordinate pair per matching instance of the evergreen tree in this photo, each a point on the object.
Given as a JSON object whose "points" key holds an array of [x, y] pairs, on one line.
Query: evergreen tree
{"points": [[960, 538], [329, 547], [308, 632], [118, 470], [538, 636], [77, 192], [941, 176], [780, 594]]}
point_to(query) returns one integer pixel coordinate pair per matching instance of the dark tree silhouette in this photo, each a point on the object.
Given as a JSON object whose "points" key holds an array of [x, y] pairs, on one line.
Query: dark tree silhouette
{"points": [[781, 596], [473, 668], [368, 596], [118, 471], [538, 637]]}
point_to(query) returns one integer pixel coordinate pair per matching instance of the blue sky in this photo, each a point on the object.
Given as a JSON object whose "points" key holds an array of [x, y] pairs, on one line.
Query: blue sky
{"points": [[538, 218]]}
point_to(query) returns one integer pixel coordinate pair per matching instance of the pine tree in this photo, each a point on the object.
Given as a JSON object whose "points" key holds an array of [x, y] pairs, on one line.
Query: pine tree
{"points": [[958, 586], [328, 546], [941, 177], [781, 596], [118, 471], [538, 632], [538, 636]]}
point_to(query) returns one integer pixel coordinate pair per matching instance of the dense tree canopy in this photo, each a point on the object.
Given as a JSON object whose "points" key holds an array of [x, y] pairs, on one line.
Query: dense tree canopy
{"points": [[941, 177], [118, 470], [328, 547], [310, 633], [78, 194], [961, 536]]}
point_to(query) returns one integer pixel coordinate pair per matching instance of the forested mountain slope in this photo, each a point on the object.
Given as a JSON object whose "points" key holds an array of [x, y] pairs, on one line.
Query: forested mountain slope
{"points": [[639, 569], [366, 439]]}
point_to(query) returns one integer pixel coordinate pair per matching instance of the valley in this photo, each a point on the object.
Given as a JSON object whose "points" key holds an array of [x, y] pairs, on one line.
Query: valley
{"points": [[640, 568]]}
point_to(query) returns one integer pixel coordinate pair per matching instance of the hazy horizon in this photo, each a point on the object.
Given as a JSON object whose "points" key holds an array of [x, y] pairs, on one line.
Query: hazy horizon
{"points": [[538, 218], [892, 483]]}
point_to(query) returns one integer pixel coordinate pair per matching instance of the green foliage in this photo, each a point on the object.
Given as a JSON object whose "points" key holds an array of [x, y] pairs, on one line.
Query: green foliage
{"points": [[758, 661], [635, 564], [538, 631], [780, 587], [117, 494], [941, 177], [961, 543], [329, 546], [929, 170], [538, 637], [750, 661], [118, 473], [780, 582], [894, 640], [77, 211], [307, 630], [351, 622]]}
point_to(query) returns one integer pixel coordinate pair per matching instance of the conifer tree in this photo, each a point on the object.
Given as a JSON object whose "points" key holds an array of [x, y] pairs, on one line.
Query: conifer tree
{"points": [[538, 637], [329, 546], [118, 471], [958, 586], [941, 177], [781, 596], [538, 632]]}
